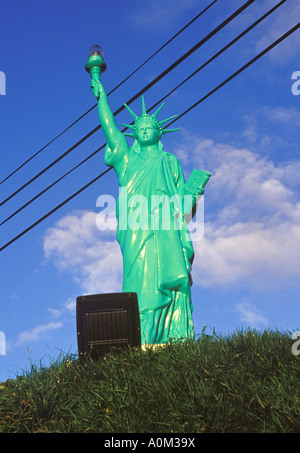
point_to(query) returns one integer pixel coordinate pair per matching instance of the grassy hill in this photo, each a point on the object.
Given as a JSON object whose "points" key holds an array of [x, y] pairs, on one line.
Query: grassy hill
{"points": [[245, 382]]}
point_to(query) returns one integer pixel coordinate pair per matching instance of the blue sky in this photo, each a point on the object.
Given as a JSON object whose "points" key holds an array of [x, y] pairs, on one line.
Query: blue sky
{"points": [[247, 266]]}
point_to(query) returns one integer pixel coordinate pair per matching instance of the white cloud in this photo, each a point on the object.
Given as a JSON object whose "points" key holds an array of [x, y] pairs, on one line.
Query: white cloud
{"points": [[252, 230], [93, 257], [272, 128], [37, 332], [248, 253], [251, 233], [251, 315], [160, 15], [279, 22], [68, 307], [284, 19], [54, 312], [283, 115]]}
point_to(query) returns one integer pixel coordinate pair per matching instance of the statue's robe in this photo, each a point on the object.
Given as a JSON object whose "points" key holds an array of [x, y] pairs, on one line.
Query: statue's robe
{"points": [[157, 257]]}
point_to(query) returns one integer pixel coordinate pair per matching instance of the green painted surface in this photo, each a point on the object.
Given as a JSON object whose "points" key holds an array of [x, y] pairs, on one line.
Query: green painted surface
{"points": [[152, 230]]}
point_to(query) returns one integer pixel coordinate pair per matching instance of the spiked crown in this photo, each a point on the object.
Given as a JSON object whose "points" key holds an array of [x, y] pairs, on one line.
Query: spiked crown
{"points": [[152, 118]]}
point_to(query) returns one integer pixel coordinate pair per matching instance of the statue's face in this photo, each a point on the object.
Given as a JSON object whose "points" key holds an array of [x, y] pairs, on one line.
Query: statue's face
{"points": [[147, 134]]}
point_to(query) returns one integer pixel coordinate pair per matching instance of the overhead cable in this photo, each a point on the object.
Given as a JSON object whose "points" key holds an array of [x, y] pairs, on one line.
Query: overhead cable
{"points": [[137, 95], [253, 60], [264, 16], [114, 89]]}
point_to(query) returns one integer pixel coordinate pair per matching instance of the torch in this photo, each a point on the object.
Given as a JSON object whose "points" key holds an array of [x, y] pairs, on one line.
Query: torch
{"points": [[95, 64]]}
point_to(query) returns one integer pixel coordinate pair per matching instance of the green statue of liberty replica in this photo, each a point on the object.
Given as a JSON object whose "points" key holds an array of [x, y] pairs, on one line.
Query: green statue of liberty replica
{"points": [[157, 249]]}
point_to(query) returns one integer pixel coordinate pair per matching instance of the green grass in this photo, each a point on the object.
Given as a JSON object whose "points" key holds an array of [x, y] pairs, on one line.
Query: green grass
{"points": [[245, 382]]}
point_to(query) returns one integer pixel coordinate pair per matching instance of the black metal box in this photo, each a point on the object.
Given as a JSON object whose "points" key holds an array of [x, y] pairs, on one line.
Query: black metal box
{"points": [[105, 321]]}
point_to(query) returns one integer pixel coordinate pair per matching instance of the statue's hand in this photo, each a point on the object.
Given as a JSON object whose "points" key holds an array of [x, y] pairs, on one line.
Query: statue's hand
{"points": [[96, 87]]}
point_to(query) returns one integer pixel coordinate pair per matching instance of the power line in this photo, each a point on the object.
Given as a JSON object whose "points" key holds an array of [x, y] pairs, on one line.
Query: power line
{"points": [[137, 95], [49, 143], [253, 60], [170, 68], [114, 89], [264, 16], [55, 209], [261, 54]]}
